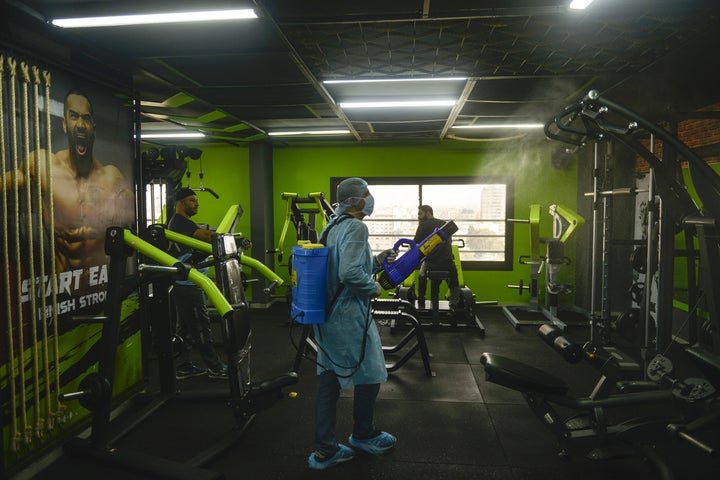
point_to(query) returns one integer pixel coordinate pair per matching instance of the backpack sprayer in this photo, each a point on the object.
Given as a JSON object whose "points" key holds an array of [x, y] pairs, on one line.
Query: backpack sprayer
{"points": [[308, 280]]}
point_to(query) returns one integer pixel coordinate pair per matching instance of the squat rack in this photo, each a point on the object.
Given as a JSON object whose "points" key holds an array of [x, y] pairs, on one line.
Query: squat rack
{"points": [[598, 119]]}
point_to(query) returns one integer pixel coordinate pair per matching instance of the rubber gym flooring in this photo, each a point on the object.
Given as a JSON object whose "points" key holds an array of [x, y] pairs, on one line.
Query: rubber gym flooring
{"points": [[453, 425]]}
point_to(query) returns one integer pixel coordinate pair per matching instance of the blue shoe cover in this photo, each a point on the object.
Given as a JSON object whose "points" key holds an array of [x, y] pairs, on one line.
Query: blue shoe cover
{"points": [[377, 445], [342, 455]]}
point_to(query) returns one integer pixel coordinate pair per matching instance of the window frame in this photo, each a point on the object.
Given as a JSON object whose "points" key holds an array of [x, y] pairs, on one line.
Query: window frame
{"points": [[508, 181], [155, 201]]}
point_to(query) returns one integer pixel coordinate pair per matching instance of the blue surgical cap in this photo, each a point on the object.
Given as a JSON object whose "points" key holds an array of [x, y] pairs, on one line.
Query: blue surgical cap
{"points": [[349, 193], [351, 190]]}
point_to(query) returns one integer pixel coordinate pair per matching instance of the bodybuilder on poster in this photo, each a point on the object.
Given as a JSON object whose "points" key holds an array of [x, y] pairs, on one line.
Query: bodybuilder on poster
{"points": [[88, 196]]}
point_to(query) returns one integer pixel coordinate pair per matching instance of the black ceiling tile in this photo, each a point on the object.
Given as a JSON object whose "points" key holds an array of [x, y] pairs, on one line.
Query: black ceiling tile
{"points": [[270, 95], [490, 109], [263, 112], [537, 55], [424, 126], [292, 11], [242, 69]]}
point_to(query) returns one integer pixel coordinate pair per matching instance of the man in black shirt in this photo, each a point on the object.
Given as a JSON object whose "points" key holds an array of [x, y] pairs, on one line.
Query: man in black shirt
{"points": [[440, 259], [192, 317]]}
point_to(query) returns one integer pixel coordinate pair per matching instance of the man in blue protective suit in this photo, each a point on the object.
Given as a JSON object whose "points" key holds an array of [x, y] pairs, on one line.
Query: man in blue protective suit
{"points": [[349, 347]]}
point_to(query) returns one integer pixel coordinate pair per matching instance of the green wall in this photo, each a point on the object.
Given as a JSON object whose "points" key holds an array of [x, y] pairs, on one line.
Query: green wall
{"points": [[305, 168], [680, 279], [225, 171]]}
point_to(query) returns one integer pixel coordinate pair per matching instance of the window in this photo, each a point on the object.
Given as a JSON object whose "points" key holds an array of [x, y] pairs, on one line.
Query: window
{"points": [[479, 206], [155, 202]]}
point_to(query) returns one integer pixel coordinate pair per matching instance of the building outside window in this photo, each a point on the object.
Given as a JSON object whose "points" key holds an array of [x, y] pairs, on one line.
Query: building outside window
{"points": [[479, 206]]}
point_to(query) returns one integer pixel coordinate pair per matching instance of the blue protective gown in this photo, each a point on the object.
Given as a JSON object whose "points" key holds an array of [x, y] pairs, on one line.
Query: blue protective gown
{"points": [[350, 261]]}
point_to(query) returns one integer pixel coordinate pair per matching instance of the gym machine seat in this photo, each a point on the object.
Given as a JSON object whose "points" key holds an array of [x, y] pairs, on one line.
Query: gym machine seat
{"points": [[521, 377], [440, 313]]}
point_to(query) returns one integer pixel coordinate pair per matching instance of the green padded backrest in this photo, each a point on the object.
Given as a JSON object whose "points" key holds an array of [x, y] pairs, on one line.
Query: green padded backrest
{"points": [[458, 265]]}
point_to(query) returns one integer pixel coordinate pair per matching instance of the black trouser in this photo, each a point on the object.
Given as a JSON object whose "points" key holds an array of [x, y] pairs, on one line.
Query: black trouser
{"points": [[193, 325], [451, 280]]}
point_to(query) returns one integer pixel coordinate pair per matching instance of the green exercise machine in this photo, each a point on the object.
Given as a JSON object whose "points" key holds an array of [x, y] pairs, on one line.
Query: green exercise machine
{"points": [[227, 226], [565, 221], [245, 396], [308, 215], [437, 313]]}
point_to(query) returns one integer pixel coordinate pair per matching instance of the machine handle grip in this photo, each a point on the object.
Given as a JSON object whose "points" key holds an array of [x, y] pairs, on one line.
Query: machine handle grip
{"points": [[402, 242]]}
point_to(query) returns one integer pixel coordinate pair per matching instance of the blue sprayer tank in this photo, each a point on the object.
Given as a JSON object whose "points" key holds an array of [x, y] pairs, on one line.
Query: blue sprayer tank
{"points": [[309, 279]]}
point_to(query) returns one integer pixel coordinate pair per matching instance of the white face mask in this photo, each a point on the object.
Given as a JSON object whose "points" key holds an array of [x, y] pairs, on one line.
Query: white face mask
{"points": [[369, 205]]}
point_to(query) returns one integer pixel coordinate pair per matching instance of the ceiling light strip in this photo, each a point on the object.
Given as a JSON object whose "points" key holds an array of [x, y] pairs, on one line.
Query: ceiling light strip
{"points": [[388, 80], [173, 135], [154, 18], [500, 125], [580, 4], [308, 132], [399, 104]]}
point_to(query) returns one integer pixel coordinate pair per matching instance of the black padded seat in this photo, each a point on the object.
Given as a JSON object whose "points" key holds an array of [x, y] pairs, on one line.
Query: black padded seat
{"points": [[520, 376]]}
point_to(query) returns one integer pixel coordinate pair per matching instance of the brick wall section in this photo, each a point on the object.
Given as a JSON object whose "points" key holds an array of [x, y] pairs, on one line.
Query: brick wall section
{"points": [[694, 133]]}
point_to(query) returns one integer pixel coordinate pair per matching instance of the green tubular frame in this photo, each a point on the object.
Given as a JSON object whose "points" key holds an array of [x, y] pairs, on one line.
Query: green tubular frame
{"points": [[228, 219], [211, 290], [288, 196], [534, 220], [573, 219], [205, 247], [319, 198]]}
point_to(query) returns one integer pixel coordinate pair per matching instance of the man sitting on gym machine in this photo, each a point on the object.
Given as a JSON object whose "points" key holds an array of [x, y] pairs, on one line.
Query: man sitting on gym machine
{"points": [[441, 259], [192, 317]]}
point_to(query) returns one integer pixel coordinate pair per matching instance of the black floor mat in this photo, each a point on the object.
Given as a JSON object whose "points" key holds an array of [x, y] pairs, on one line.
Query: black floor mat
{"points": [[454, 425]]}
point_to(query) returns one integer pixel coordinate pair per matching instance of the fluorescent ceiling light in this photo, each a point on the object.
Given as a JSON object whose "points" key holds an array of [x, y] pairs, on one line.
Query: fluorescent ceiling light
{"points": [[511, 125], [400, 104], [308, 132], [381, 80], [154, 18], [173, 135], [580, 4]]}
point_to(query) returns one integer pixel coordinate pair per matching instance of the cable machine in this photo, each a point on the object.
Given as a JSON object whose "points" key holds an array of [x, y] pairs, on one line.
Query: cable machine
{"points": [[697, 411], [670, 210], [308, 215], [630, 326], [565, 221]]}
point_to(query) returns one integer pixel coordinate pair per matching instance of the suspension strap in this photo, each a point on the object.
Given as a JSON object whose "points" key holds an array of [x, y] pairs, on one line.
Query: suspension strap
{"points": [[49, 419], [26, 429], [6, 256], [31, 247], [48, 172]]}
